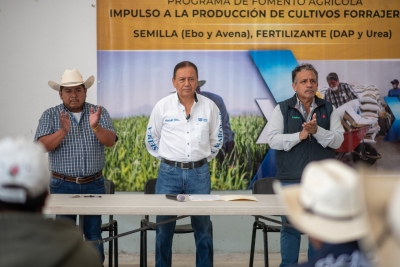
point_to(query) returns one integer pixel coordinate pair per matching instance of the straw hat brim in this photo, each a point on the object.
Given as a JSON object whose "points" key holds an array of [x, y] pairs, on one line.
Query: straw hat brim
{"points": [[326, 229], [88, 83]]}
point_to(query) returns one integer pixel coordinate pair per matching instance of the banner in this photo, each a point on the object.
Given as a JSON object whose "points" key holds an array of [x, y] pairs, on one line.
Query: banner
{"points": [[245, 50]]}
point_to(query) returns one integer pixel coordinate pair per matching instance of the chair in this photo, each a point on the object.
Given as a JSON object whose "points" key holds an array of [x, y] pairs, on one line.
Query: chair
{"points": [[262, 186], [112, 228], [150, 188]]}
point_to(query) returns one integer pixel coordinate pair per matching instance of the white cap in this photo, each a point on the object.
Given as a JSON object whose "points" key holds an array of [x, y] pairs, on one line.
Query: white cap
{"points": [[24, 170]]}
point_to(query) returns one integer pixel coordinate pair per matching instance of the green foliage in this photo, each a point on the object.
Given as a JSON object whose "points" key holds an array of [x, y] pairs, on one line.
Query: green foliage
{"points": [[129, 165]]}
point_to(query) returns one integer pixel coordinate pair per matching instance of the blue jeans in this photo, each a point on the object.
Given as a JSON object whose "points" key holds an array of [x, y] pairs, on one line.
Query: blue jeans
{"points": [[91, 223], [290, 243], [174, 180]]}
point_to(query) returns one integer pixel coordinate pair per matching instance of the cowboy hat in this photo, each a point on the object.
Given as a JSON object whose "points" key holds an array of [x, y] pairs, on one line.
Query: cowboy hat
{"points": [[72, 78], [382, 202], [327, 203]]}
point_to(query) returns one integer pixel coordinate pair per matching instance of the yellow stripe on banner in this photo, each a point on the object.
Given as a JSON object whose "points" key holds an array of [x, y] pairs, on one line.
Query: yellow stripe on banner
{"points": [[312, 29]]}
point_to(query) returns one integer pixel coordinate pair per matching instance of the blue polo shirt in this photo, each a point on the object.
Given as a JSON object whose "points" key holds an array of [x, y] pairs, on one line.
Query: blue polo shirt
{"points": [[394, 93]]}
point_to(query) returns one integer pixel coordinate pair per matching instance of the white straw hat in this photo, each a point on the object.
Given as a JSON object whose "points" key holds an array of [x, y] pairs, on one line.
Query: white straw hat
{"points": [[72, 78], [382, 202], [327, 203], [24, 170]]}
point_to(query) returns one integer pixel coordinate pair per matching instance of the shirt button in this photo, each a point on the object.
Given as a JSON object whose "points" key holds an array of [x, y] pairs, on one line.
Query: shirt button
{"points": [[188, 155], [188, 143], [187, 132]]}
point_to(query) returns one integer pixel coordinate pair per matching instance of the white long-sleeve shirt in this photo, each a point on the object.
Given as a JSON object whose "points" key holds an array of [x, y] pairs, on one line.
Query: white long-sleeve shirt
{"points": [[172, 136], [277, 140]]}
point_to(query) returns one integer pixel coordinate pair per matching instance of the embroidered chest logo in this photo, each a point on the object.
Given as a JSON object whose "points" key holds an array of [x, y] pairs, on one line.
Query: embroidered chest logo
{"points": [[172, 120]]}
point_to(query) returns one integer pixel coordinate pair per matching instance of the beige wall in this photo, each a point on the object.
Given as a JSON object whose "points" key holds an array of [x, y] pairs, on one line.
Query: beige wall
{"points": [[39, 39]]}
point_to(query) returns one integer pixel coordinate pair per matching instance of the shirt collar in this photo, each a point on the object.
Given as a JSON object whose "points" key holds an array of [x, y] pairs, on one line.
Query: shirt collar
{"points": [[177, 98], [301, 104], [301, 108], [66, 109]]}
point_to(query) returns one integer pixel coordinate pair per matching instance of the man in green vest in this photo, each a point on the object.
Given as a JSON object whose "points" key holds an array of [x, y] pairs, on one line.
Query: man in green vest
{"points": [[302, 129]]}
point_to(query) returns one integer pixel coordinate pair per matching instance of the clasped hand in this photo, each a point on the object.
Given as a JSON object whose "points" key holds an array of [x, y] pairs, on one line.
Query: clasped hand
{"points": [[94, 119], [310, 127]]}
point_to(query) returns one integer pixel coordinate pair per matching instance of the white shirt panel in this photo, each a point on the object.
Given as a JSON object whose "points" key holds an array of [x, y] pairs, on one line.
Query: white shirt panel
{"points": [[171, 136], [77, 116]]}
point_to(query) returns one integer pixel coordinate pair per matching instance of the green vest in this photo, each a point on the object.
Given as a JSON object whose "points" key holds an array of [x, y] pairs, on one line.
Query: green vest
{"points": [[290, 164]]}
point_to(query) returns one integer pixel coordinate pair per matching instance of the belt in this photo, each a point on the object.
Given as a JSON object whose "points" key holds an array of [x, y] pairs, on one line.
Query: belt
{"points": [[185, 165], [78, 180]]}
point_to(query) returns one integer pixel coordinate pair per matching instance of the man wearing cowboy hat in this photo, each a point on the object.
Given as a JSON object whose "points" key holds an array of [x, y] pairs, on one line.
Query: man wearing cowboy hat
{"points": [[229, 135], [327, 206], [27, 236], [75, 133]]}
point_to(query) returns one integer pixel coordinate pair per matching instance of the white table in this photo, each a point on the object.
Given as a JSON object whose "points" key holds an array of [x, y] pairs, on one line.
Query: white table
{"points": [[132, 204], [141, 204]]}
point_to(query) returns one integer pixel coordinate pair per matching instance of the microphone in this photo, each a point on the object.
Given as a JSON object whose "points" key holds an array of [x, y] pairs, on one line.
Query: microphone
{"points": [[179, 197], [188, 117]]}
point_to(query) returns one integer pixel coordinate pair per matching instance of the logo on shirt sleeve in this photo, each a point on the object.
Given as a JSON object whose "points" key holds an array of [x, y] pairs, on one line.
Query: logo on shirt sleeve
{"points": [[150, 139]]}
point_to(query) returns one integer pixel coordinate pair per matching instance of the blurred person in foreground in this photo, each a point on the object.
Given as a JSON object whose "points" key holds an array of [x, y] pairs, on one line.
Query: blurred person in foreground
{"points": [[382, 202], [75, 134], [185, 133], [302, 129], [27, 238], [338, 93], [327, 205], [229, 135]]}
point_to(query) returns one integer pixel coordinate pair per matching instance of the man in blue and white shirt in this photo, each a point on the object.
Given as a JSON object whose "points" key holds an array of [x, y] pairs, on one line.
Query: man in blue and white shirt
{"points": [[185, 133], [75, 133]]}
